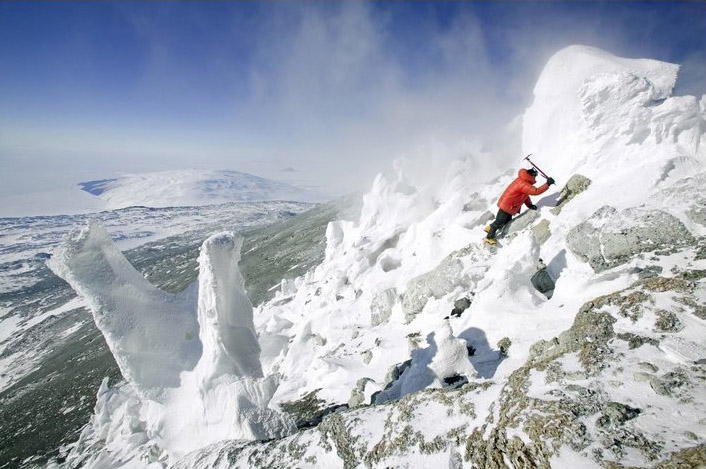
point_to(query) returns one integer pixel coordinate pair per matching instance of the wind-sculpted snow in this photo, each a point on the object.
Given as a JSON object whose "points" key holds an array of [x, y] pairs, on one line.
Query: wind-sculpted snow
{"points": [[598, 114], [194, 382], [153, 335], [225, 314]]}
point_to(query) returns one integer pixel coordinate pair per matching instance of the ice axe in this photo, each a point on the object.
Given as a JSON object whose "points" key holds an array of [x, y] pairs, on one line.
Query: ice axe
{"points": [[535, 166]]}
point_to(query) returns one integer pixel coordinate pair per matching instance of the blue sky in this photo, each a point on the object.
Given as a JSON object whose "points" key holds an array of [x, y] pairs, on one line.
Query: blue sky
{"points": [[333, 90]]}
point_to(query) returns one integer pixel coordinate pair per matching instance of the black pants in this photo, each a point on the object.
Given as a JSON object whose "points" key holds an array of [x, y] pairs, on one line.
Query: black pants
{"points": [[501, 220]]}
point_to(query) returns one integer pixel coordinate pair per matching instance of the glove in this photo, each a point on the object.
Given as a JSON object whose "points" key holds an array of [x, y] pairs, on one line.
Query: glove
{"points": [[550, 181], [532, 207]]}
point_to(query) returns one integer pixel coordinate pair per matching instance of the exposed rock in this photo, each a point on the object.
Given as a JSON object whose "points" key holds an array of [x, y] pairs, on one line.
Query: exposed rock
{"points": [[519, 223], [546, 423], [413, 340], [615, 413], [541, 231], [367, 356], [666, 385], [588, 335], [610, 238], [641, 376], [667, 322], [542, 281], [636, 341], [308, 410], [483, 219], [438, 282], [504, 346], [358, 394], [461, 305], [333, 428], [686, 458], [381, 306], [574, 186], [648, 272], [454, 381]]}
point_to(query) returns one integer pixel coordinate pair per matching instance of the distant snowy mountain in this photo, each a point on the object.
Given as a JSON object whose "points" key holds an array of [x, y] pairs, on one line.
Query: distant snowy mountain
{"points": [[190, 187]]}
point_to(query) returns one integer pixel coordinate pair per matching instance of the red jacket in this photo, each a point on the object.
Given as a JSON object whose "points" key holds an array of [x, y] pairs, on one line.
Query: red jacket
{"points": [[518, 192]]}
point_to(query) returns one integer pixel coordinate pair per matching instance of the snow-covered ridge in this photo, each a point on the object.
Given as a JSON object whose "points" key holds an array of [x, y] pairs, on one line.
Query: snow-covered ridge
{"points": [[371, 326], [193, 187]]}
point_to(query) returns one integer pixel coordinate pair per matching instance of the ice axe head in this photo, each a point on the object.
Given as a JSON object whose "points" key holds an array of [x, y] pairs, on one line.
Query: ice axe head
{"points": [[535, 166]]}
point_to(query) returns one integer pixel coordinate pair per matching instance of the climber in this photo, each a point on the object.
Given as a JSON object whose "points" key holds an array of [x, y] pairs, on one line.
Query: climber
{"points": [[516, 194]]}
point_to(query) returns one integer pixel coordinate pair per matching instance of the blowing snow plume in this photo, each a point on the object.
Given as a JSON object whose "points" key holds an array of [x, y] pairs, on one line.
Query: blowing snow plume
{"points": [[192, 359]]}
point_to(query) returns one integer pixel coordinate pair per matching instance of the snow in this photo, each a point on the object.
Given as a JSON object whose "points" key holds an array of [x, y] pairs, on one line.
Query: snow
{"points": [[192, 187], [174, 188], [130, 312], [191, 360], [608, 118]]}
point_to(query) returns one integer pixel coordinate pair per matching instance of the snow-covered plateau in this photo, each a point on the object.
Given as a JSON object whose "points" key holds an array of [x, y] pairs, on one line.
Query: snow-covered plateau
{"points": [[157, 189], [192, 187], [579, 342]]}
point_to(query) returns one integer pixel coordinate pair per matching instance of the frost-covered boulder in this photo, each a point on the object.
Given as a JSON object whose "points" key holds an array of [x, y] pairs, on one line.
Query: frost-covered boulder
{"points": [[519, 223], [573, 187], [445, 356], [381, 306], [610, 237]]}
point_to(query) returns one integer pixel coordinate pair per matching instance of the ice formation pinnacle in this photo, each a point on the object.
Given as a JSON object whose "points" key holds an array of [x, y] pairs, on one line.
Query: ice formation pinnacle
{"points": [[154, 335], [227, 332]]}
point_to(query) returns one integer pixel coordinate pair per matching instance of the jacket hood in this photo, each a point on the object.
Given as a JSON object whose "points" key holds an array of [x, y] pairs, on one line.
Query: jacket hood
{"points": [[526, 176]]}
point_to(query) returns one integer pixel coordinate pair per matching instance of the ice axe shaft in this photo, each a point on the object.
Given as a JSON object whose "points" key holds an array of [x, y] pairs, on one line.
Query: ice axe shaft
{"points": [[535, 166]]}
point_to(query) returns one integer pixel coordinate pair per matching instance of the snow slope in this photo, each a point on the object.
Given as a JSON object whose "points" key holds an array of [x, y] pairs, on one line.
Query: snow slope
{"points": [[192, 187], [550, 380]]}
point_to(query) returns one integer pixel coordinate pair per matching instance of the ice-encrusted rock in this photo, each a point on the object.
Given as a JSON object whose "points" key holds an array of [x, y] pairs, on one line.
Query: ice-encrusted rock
{"points": [[358, 394], [434, 284], [520, 222], [573, 187], [610, 237], [541, 231], [381, 306]]}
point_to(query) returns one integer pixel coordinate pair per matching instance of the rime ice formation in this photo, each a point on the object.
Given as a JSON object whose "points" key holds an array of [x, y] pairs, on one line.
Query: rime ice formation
{"points": [[591, 376], [189, 383], [225, 314], [153, 335]]}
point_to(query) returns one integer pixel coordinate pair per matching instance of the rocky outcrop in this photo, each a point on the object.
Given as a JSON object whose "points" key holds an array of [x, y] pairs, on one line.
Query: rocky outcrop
{"points": [[545, 405], [542, 281], [447, 276], [610, 237], [519, 223], [541, 231], [574, 186]]}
